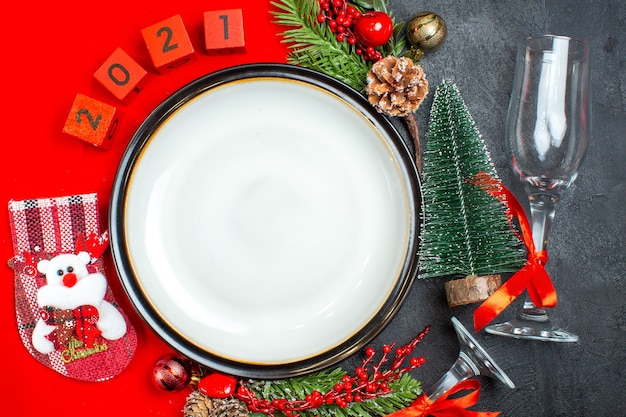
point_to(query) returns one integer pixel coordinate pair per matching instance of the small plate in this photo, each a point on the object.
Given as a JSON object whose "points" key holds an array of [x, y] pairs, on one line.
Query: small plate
{"points": [[264, 221]]}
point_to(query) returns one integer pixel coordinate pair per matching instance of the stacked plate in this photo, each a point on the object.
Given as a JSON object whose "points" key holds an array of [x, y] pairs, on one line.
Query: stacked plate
{"points": [[265, 220]]}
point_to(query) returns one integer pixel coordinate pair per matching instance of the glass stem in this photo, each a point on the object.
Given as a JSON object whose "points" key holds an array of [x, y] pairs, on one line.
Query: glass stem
{"points": [[462, 369], [542, 209]]}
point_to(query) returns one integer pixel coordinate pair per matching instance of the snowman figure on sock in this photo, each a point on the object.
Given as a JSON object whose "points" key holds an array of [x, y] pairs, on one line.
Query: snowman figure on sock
{"points": [[73, 305]]}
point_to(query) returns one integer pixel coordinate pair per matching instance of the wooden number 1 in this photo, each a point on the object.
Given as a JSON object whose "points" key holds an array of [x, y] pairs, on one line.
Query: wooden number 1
{"points": [[224, 17], [223, 31]]}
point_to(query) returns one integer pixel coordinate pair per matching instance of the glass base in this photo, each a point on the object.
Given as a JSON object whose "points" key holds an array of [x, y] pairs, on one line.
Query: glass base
{"points": [[475, 356], [531, 330]]}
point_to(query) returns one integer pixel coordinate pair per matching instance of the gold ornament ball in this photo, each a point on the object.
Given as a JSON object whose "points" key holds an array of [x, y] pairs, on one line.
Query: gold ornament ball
{"points": [[426, 31]]}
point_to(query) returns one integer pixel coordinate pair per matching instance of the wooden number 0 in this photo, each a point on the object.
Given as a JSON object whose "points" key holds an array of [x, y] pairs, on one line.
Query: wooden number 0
{"points": [[168, 38], [123, 70]]}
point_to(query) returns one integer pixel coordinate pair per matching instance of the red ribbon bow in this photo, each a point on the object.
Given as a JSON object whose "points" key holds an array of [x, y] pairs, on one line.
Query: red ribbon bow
{"points": [[80, 321], [532, 277], [448, 407]]}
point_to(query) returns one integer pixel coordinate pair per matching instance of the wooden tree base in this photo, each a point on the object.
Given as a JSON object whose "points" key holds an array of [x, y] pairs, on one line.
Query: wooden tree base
{"points": [[471, 289]]}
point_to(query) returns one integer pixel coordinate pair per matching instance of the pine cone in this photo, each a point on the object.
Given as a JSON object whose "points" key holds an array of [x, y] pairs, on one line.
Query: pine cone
{"points": [[396, 86], [199, 405], [229, 408]]}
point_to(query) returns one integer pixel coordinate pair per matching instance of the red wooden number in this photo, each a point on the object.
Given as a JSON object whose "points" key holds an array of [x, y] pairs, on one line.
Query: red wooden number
{"points": [[223, 31], [169, 34], [168, 44], [121, 75], [94, 123], [91, 121], [224, 17]]}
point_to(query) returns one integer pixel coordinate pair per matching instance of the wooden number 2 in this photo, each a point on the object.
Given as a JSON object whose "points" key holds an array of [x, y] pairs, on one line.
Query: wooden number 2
{"points": [[93, 122], [167, 45]]}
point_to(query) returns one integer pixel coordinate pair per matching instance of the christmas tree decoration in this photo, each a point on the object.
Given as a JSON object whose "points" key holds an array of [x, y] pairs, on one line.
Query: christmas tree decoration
{"points": [[471, 289], [172, 372], [315, 46], [67, 316], [340, 399], [346, 41], [364, 31], [322, 36], [217, 385], [396, 87], [373, 28], [465, 232], [425, 32], [371, 391], [199, 405]]}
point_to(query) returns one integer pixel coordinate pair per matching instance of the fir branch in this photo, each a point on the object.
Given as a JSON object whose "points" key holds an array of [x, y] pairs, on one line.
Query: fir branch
{"points": [[403, 392], [364, 4], [372, 391], [297, 387], [314, 46]]}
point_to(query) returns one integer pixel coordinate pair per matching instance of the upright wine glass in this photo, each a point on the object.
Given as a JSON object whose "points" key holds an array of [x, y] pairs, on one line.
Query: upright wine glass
{"points": [[547, 130]]}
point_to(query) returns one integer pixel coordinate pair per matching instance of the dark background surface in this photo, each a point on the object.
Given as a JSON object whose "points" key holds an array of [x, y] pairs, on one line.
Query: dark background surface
{"points": [[586, 248], [51, 51]]}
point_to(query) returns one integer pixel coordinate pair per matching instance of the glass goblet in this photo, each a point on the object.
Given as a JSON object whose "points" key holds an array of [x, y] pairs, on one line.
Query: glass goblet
{"points": [[473, 361], [547, 130]]}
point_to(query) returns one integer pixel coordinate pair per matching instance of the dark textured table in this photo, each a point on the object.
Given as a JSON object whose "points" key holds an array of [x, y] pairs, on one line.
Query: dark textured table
{"points": [[54, 52], [586, 248]]}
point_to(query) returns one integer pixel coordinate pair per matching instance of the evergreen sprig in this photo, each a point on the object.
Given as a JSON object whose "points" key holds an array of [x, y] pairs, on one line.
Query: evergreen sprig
{"points": [[313, 45], [465, 230], [403, 392], [297, 387], [380, 386]]}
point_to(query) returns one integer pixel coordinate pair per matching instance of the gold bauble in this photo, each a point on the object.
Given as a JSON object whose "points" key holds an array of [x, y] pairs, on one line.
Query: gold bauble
{"points": [[426, 31]]}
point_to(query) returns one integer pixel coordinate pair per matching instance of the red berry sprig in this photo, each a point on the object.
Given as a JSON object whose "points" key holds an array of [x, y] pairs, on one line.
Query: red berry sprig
{"points": [[369, 382], [342, 17]]}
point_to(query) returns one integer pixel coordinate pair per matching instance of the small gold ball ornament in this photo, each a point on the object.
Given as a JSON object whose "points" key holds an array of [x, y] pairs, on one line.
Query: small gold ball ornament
{"points": [[426, 31]]}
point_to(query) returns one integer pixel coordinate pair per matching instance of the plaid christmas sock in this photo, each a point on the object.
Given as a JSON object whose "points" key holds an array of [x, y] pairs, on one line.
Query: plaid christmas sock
{"points": [[66, 314]]}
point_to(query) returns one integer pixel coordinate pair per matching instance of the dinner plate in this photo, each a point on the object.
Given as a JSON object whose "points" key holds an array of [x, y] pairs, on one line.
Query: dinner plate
{"points": [[264, 220]]}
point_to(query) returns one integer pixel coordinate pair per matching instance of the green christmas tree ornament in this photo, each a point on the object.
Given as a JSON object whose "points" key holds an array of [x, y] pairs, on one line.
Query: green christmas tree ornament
{"points": [[465, 231]]}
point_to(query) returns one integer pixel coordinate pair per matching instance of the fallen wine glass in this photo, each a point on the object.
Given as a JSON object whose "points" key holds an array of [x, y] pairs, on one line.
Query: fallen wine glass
{"points": [[472, 361]]}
